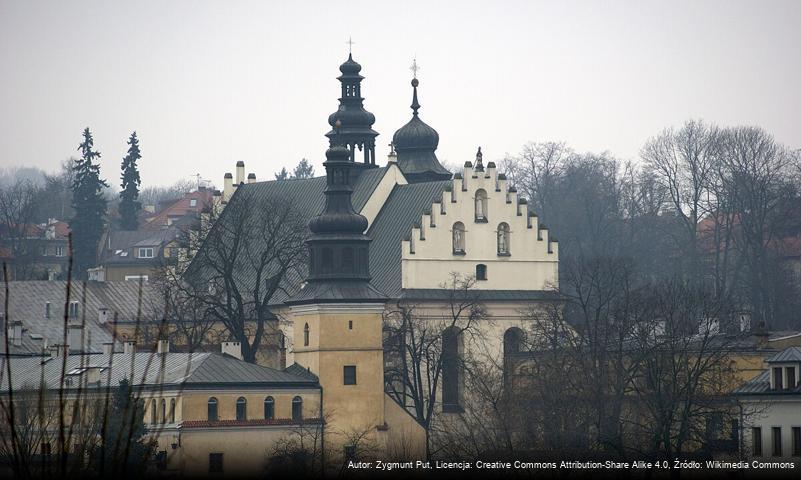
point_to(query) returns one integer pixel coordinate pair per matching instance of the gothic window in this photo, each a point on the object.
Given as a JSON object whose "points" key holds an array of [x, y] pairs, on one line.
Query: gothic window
{"points": [[212, 409], [458, 237], [297, 409], [306, 335], [503, 239], [481, 272], [172, 410], [481, 205], [153, 417], [450, 371], [163, 410], [241, 408], [269, 408]]}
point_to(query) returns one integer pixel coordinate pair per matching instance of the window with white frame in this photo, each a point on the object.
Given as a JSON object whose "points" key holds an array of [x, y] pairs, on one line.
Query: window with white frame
{"points": [[146, 252]]}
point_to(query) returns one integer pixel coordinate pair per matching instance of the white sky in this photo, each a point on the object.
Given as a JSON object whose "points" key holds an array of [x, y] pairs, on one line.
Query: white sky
{"points": [[208, 83]]}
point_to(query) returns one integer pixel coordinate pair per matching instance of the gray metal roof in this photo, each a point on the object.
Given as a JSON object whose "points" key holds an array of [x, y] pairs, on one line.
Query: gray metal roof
{"points": [[791, 354], [483, 295], [187, 370], [27, 302]]}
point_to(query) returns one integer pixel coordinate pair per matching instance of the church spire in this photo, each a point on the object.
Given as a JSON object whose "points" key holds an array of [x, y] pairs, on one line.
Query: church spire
{"points": [[356, 132], [416, 142]]}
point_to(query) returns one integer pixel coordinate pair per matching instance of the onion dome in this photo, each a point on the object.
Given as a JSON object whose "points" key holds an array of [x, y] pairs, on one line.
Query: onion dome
{"points": [[415, 144]]}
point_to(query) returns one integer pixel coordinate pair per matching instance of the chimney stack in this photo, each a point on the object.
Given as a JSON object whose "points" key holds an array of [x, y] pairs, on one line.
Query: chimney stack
{"points": [[240, 172], [163, 346], [108, 348], [233, 349], [75, 336], [128, 347], [251, 178], [102, 315], [16, 333], [228, 187]]}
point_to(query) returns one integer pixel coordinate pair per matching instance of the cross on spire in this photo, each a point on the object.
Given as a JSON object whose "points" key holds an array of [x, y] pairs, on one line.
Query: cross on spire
{"points": [[414, 68], [350, 43]]}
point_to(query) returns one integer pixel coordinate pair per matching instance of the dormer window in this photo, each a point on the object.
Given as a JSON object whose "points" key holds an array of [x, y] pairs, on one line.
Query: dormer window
{"points": [[778, 378], [193, 202], [146, 252], [481, 206]]}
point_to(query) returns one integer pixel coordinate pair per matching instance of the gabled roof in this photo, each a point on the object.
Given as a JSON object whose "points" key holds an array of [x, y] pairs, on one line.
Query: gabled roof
{"points": [[27, 302], [185, 370], [180, 208], [791, 354]]}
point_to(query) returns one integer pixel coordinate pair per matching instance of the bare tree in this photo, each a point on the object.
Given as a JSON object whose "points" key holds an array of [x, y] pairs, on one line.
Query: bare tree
{"points": [[246, 258], [413, 346], [17, 213]]}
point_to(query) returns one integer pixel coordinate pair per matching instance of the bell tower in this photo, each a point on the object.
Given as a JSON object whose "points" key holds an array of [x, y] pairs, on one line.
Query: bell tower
{"points": [[337, 315]]}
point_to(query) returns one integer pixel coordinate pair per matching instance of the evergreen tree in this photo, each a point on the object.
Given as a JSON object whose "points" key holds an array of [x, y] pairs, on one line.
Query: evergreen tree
{"points": [[282, 175], [303, 170], [89, 206], [125, 447], [129, 196]]}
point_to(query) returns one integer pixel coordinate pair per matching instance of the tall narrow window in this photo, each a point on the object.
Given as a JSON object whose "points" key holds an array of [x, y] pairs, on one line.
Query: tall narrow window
{"points": [[163, 411], [512, 341], [481, 205], [797, 441], [776, 433], [153, 417], [347, 260], [756, 441], [458, 238], [503, 239], [778, 378], [450, 371], [269, 408], [172, 410], [297, 409], [241, 409], [212, 409], [481, 272], [306, 335], [349, 374], [215, 462], [790, 377]]}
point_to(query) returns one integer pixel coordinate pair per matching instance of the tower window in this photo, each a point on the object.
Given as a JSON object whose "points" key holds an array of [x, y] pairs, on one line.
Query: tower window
{"points": [[212, 409], [458, 238], [269, 408], [481, 272], [297, 409], [163, 411], [306, 335], [172, 410], [241, 409], [153, 414], [349, 374]]}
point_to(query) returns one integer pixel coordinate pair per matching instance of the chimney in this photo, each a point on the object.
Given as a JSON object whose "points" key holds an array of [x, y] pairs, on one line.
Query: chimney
{"points": [[16, 333], [92, 374], [61, 350], [240, 172], [228, 187], [251, 178], [108, 348], [102, 315], [128, 347], [762, 336], [163, 346], [75, 336], [233, 349]]}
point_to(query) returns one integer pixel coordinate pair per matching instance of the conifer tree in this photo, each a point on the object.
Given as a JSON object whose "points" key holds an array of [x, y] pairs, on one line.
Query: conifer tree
{"points": [[303, 170], [89, 205], [282, 175], [129, 195]]}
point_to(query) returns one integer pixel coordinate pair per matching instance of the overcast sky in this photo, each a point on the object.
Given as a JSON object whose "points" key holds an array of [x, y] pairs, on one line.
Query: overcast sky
{"points": [[208, 83]]}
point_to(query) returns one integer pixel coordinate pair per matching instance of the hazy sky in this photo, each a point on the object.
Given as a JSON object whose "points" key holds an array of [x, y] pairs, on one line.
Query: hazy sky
{"points": [[208, 83]]}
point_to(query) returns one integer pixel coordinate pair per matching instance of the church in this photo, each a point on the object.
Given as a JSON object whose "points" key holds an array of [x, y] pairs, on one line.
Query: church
{"points": [[401, 233]]}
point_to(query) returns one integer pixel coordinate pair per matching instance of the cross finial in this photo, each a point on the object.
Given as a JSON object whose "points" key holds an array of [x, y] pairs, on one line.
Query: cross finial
{"points": [[414, 68], [350, 43]]}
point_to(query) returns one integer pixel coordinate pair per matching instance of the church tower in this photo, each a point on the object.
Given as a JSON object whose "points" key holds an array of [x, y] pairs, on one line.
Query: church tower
{"points": [[415, 144], [337, 315], [356, 124]]}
